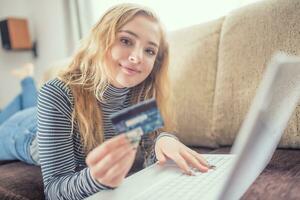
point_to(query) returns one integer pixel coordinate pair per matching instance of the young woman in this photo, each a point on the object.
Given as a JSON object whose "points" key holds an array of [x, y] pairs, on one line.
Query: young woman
{"points": [[124, 60]]}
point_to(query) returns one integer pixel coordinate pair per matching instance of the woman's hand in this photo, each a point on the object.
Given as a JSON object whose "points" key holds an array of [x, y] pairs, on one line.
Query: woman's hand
{"points": [[168, 147], [110, 162]]}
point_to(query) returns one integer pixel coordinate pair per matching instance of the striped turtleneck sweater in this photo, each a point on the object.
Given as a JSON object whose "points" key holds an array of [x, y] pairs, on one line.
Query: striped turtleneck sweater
{"points": [[62, 158]]}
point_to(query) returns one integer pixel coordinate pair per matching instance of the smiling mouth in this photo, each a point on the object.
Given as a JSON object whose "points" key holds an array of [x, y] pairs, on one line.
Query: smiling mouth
{"points": [[128, 70]]}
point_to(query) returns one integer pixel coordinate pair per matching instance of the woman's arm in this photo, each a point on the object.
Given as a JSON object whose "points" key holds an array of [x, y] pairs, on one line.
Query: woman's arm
{"points": [[148, 146], [56, 147]]}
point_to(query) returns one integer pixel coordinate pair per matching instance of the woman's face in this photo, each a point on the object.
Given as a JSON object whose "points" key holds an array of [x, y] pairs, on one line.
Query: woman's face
{"points": [[134, 51]]}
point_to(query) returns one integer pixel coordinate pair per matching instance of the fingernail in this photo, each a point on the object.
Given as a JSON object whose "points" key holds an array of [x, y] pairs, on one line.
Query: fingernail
{"points": [[192, 173], [134, 136], [211, 167], [207, 163]]}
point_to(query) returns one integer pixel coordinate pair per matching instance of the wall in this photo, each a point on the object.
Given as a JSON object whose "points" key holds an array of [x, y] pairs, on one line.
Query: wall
{"points": [[182, 13], [50, 26]]}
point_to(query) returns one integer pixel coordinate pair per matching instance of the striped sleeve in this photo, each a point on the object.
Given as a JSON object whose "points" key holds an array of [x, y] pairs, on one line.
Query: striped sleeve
{"points": [[149, 147], [56, 147]]}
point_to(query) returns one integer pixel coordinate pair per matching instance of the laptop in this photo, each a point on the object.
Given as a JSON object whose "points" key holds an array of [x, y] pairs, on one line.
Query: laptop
{"points": [[276, 99]]}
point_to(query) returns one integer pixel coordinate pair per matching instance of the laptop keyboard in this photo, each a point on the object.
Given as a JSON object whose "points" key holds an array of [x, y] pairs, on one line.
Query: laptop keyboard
{"points": [[184, 187]]}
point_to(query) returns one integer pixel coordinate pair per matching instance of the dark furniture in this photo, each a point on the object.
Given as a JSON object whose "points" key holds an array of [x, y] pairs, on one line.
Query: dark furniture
{"points": [[280, 179]]}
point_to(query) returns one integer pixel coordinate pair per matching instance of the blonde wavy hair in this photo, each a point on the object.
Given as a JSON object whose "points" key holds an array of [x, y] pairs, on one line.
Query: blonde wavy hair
{"points": [[88, 76]]}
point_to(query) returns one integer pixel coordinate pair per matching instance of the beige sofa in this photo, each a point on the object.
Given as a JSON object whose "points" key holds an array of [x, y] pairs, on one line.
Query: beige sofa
{"points": [[215, 70]]}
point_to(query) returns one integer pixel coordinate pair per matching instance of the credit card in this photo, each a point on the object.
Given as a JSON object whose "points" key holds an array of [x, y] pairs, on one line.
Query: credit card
{"points": [[137, 120]]}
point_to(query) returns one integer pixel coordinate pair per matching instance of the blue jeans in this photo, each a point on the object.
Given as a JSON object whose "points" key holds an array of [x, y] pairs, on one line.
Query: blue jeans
{"points": [[18, 124], [27, 99]]}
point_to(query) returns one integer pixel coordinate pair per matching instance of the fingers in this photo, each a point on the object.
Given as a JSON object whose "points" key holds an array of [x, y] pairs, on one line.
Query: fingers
{"points": [[180, 154], [113, 158], [101, 151], [122, 168], [182, 164], [193, 161], [115, 175], [160, 156], [199, 157]]}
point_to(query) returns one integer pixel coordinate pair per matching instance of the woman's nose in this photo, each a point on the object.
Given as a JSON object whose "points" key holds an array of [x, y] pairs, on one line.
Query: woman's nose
{"points": [[135, 56], [133, 59]]}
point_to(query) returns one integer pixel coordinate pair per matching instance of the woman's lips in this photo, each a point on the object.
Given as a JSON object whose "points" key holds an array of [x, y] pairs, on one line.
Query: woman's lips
{"points": [[129, 71]]}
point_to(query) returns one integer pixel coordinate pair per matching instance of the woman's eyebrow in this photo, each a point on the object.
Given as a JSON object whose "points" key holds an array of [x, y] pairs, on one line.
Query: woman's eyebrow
{"points": [[136, 36]]}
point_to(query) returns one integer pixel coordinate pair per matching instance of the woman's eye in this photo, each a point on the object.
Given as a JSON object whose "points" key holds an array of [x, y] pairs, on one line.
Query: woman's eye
{"points": [[125, 41], [150, 52]]}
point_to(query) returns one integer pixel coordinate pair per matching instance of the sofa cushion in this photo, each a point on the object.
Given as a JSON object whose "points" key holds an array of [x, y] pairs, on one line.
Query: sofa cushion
{"points": [[21, 181], [193, 61], [250, 36], [279, 180]]}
